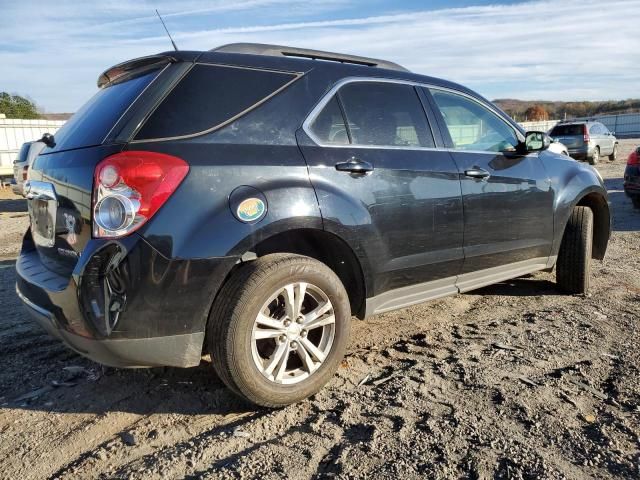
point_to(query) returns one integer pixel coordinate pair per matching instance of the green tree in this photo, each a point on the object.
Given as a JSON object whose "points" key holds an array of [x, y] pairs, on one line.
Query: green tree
{"points": [[15, 106]]}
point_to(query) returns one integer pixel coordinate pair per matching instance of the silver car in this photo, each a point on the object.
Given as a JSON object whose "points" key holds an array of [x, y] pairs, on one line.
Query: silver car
{"points": [[28, 152], [586, 140]]}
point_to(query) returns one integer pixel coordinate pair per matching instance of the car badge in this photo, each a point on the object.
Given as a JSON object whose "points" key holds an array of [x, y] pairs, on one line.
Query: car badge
{"points": [[70, 223], [250, 209]]}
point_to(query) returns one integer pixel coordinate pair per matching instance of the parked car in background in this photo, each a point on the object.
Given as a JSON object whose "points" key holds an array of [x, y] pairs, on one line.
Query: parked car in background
{"points": [[247, 201], [632, 177], [28, 152], [558, 147], [586, 140]]}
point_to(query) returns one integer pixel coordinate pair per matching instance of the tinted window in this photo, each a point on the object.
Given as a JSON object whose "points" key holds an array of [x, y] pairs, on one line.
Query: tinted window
{"points": [[595, 129], [473, 126], [91, 124], [385, 114], [329, 127], [208, 96], [567, 130]]}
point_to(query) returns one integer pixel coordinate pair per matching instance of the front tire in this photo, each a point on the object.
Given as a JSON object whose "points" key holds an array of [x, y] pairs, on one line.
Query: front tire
{"points": [[614, 154], [279, 329], [573, 268]]}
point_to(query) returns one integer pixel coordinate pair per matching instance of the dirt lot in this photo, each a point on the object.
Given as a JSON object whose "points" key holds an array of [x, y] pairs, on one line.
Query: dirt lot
{"points": [[511, 381]]}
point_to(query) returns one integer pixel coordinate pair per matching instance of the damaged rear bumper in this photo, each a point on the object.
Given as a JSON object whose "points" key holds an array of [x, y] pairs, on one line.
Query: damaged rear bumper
{"points": [[125, 305]]}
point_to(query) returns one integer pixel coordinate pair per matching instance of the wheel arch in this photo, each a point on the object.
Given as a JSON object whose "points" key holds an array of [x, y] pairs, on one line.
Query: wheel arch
{"points": [[601, 221], [327, 248]]}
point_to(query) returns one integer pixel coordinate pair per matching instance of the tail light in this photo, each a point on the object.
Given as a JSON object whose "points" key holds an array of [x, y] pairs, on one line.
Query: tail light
{"points": [[585, 132], [634, 157], [25, 173], [130, 187]]}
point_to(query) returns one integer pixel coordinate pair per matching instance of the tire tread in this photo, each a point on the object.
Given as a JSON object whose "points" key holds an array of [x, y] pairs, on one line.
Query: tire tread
{"points": [[574, 258]]}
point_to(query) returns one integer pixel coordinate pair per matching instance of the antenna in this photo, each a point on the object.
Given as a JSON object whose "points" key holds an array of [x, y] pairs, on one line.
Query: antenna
{"points": [[166, 30]]}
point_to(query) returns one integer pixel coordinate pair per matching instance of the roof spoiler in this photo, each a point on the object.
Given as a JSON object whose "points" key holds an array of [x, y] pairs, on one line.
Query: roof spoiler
{"points": [[279, 50], [137, 65]]}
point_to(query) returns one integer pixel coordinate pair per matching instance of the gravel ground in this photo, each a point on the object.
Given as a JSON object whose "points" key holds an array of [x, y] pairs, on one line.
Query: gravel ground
{"points": [[511, 381]]}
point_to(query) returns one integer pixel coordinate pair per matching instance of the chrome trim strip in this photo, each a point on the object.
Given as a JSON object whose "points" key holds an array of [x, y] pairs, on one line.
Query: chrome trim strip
{"points": [[34, 189], [306, 125]]}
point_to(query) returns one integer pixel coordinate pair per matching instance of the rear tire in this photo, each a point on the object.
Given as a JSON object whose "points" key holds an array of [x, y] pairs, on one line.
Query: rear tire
{"points": [[258, 350], [573, 268], [595, 157], [636, 202], [614, 154]]}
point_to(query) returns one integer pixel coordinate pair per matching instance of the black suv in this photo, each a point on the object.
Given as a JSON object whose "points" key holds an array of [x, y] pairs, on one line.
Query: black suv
{"points": [[247, 201]]}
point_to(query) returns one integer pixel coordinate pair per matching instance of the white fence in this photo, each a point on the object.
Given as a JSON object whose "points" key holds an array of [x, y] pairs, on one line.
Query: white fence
{"points": [[14, 132], [624, 125], [541, 126]]}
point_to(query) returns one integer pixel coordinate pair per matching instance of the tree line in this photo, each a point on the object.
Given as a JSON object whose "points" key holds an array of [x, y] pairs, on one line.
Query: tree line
{"points": [[15, 106], [522, 110]]}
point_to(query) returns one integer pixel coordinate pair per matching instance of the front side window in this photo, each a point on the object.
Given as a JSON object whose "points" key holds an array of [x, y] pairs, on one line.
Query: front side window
{"points": [[329, 127], [473, 126], [385, 114]]}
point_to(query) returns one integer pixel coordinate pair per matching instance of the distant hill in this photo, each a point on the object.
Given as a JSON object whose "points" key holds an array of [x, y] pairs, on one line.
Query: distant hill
{"points": [[517, 109]]}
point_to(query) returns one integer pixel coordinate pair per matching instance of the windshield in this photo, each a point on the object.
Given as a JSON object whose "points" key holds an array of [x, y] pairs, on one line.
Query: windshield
{"points": [[91, 124]]}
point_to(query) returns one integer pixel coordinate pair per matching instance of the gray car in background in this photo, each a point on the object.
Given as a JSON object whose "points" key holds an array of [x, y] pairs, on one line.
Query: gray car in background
{"points": [[28, 152], [586, 140]]}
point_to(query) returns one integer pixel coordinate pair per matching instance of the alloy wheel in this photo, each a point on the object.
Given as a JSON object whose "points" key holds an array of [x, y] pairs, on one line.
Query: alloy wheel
{"points": [[293, 333]]}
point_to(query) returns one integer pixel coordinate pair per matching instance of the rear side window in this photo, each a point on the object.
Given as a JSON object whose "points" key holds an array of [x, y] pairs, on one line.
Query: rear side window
{"points": [[208, 97], [91, 124], [567, 130], [385, 114]]}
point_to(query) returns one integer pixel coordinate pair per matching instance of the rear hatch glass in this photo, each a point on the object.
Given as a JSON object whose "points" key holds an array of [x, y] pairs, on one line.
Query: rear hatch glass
{"points": [[91, 124], [61, 178], [567, 130]]}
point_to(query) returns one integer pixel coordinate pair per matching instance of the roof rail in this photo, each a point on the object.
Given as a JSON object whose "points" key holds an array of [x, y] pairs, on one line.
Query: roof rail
{"points": [[279, 50]]}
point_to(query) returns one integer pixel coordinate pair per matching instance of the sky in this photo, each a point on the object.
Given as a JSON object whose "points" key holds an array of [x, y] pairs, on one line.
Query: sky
{"points": [[53, 52]]}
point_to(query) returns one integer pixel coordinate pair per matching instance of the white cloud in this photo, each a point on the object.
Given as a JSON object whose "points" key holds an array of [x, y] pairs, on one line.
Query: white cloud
{"points": [[566, 50]]}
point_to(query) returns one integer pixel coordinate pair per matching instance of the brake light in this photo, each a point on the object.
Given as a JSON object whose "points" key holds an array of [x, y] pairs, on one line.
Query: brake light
{"points": [[130, 187], [585, 131], [634, 158], [25, 173]]}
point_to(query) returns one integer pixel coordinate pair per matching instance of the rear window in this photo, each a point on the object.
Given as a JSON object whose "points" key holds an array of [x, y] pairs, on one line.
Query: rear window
{"points": [[91, 124], [567, 130], [210, 96], [24, 150]]}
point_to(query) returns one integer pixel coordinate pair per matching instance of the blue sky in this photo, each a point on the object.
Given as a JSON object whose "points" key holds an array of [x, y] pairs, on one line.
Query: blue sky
{"points": [[53, 52]]}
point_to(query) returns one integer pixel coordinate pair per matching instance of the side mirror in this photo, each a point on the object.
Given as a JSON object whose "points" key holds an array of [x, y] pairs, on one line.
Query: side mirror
{"points": [[536, 141]]}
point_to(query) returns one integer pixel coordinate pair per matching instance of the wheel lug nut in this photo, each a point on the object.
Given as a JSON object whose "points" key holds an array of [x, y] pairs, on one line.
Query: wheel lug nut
{"points": [[299, 319], [303, 333], [294, 345], [282, 338], [287, 323]]}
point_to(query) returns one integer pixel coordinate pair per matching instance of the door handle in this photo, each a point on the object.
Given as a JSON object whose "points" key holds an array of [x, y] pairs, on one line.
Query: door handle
{"points": [[477, 172], [354, 165]]}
